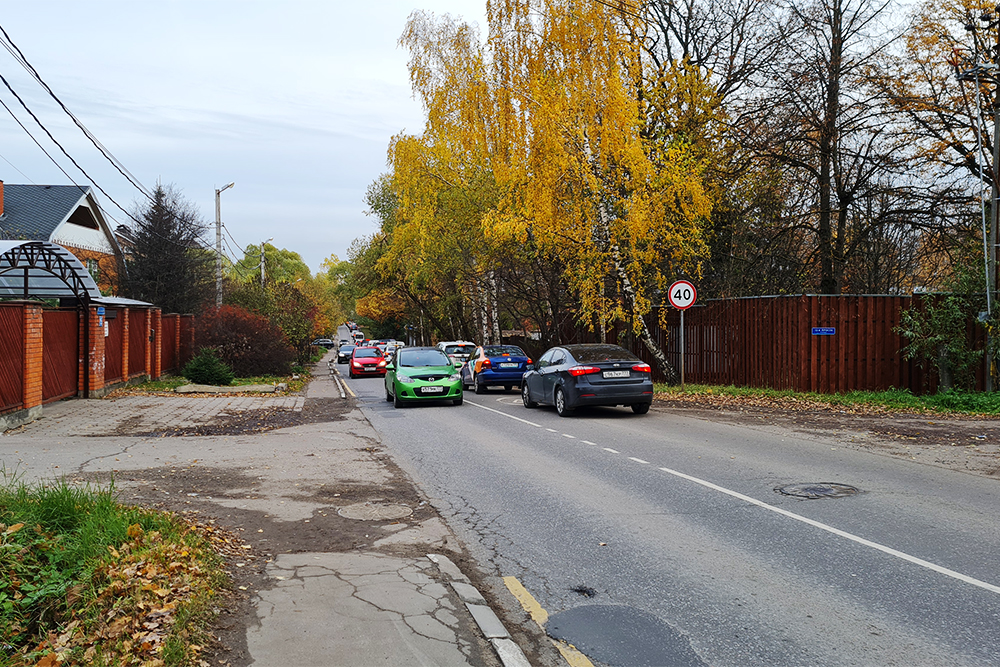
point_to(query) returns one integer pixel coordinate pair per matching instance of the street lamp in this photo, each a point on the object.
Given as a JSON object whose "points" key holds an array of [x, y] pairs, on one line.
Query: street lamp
{"points": [[262, 261], [218, 244]]}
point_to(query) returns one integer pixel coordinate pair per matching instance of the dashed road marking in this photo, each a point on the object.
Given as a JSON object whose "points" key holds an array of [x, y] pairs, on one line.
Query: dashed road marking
{"points": [[500, 412], [588, 442], [551, 430], [632, 458], [613, 451], [567, 435]]}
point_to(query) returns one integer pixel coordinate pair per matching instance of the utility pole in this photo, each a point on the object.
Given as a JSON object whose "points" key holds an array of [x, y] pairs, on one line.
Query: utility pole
{"points": [[262, 262], [218, 244]]}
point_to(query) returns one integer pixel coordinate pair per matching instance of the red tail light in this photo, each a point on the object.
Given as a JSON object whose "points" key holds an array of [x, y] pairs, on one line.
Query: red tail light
{"points": [[487, 364], [529, 361], [582, 370], [642, 368]]}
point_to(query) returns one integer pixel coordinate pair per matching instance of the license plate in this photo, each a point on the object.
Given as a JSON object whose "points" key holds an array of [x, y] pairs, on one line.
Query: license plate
{"points": [[616, 374], [509, 365], [432, 390]]}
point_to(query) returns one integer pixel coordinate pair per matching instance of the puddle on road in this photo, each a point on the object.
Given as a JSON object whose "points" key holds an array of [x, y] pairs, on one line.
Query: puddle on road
{"points": [[619, 635]]}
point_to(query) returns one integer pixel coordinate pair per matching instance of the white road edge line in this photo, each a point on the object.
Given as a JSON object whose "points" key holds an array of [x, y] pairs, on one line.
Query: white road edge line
{"points": [[791, 515], [840, 533], [632, 458]]}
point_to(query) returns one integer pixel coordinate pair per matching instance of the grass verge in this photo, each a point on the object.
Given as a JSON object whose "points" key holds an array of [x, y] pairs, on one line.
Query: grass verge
{"points": [[957, 402], [85, 580]]}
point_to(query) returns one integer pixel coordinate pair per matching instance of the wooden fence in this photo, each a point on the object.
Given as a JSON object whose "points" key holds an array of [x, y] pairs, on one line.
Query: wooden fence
{"points": [[823, 344]]}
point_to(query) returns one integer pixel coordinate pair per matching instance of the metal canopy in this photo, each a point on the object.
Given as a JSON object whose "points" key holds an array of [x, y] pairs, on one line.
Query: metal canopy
{"points": [[43, 270]]}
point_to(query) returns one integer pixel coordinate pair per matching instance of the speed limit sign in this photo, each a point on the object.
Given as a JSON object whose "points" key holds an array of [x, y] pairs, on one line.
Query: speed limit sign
{"points": [[682, 295]]}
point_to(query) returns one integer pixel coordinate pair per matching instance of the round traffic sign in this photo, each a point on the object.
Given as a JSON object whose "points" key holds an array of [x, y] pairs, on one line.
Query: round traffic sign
{"points": [[682, 295]]}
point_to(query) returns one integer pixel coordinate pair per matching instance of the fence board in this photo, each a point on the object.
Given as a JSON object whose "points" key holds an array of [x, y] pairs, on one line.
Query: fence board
{"points": [[12, 358], [137, 342], [168, 343], [60, 354], [113, 346]]}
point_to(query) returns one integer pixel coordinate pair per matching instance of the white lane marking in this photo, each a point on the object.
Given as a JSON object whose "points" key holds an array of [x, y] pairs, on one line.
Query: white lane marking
{"points": [[499, 412], [551, 430], [567, 435], [588, 442], [613, 451], [632, 458], [840, 533]]}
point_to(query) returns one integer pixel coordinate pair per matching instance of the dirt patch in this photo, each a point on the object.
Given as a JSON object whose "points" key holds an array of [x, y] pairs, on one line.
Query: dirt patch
{"points": [[968, 443]]}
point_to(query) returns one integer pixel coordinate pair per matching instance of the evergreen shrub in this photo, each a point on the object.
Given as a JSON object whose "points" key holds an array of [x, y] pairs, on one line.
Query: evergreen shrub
{"points": [[207, 368]]}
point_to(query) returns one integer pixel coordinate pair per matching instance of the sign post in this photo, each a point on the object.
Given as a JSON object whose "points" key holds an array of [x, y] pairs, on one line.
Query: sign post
{"points": [[682, 296]]}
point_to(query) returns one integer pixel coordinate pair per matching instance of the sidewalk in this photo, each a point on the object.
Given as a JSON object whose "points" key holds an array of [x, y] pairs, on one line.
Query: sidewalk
{"points": [[347, 563]]}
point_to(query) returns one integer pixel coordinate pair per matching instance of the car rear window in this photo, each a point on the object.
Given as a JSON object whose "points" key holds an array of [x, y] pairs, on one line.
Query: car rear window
{"points": [[500, 350], [414, 358], [591, 353], [366, 352], [459, 349]]}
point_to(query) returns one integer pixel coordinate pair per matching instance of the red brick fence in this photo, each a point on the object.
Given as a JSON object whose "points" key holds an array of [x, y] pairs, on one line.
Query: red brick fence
{"points": [[49, 354]]}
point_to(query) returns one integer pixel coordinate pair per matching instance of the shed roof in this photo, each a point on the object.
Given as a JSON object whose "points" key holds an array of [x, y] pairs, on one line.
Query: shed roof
{"points": [[41, 269]]}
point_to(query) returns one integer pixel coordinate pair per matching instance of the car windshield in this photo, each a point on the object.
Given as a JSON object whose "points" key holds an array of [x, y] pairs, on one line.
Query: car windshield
{"points": [[459, 349], [365, 352], [413, 358], [587, 354], [501, 350], [346, 348]]}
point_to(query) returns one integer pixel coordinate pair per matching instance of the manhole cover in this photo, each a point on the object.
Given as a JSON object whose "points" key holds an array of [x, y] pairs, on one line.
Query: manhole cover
{"points": [[815, 490], [374, 511]]}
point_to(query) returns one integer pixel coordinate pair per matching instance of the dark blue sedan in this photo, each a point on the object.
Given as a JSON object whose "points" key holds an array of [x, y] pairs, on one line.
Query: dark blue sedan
{"points": [[495, 365], [588, 374]]}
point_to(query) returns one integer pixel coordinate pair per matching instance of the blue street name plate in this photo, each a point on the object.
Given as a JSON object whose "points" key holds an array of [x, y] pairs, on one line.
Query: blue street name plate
{"points": [[824, 331]]}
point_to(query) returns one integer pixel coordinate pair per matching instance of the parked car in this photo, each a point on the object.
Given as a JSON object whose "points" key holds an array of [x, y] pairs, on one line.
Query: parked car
{"points": [[366, 361], [492, 365], [588, 374], [457, 350], [419, 374], [324, 342], [344, 353]]}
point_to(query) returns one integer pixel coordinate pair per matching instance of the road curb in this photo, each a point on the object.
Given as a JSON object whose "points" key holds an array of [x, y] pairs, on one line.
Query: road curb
{"points": [[510, 653]]}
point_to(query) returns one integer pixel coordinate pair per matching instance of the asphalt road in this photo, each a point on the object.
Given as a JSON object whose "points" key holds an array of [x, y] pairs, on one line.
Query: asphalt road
{"points": [[660, 539]]}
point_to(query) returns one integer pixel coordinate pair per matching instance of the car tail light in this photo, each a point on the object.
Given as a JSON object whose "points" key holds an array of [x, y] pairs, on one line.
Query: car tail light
{"points": [[582, 370], [642, 368], [529, 362], [487, 363]]}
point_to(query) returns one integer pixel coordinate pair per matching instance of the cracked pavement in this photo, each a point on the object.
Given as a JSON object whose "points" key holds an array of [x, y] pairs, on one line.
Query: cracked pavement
{"points": [[313, 587]]}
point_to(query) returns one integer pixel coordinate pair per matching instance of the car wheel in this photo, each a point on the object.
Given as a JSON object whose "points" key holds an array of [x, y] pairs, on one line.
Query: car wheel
{"points": [[561, 408], [388, 396], [480, 387], [506, 387], [350, 374], [640, 408], [396, 401], [526, 397], [458, 401]]}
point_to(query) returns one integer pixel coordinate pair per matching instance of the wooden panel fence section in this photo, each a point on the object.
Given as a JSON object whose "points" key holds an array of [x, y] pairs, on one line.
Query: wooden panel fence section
{"points": [[170, 359], [137, 342], [11, 356], [60, 354], [186, 350], [113, 342], [814, 343]]}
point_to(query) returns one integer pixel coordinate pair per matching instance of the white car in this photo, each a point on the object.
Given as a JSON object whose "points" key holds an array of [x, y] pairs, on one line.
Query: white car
{"points": [[457, 350]]}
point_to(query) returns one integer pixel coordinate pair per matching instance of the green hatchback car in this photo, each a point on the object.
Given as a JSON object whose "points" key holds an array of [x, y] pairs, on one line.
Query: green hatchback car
{"points": [[418, 374]]}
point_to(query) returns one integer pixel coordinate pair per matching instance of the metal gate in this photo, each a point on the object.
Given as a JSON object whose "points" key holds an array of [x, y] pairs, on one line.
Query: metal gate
{"points": [[60, 353], [113, 345], [137, 342]]}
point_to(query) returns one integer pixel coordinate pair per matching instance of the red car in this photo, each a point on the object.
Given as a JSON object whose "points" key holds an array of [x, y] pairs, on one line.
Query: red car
{"points": [[366, 361]]}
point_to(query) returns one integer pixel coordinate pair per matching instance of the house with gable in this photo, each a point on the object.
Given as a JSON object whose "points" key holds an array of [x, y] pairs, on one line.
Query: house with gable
{"points": [[67, 215]]}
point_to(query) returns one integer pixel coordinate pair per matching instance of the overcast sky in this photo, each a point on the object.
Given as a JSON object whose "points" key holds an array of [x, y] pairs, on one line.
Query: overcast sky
{"points": [[294, 101]]}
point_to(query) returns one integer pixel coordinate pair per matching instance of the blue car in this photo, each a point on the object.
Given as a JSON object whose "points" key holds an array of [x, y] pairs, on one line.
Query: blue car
{"points": [[495, 365]]}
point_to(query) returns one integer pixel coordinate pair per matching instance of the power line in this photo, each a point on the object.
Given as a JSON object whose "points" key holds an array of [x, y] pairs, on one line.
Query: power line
{"points": [[20, 58], [16, 169]]}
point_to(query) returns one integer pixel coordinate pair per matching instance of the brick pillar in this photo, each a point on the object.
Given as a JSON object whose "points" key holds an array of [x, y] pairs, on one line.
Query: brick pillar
{"points": [[33, 352], [125, 314], [95, 371], [155, 343]]}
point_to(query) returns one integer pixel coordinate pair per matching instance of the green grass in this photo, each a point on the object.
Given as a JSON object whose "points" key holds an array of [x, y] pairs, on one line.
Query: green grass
{"points": [[169, 383], [961, 402], [65, 554]]}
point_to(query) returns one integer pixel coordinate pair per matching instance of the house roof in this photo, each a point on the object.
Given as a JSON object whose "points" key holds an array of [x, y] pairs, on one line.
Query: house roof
{"points": [[35, 212]]}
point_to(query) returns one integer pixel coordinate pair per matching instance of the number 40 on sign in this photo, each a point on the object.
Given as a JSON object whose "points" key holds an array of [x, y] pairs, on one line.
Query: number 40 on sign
{"points": [[682, 296]]}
